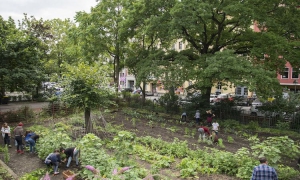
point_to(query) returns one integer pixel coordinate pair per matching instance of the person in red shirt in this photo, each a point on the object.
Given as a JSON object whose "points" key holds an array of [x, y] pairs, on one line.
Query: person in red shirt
{"points": [[203, 130]]}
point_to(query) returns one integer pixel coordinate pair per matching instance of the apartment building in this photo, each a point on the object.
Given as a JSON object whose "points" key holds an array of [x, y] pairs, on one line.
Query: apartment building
{"points": [[289, 79]]}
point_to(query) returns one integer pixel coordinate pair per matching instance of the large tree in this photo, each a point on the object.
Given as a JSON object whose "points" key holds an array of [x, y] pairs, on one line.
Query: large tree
{"points": [[19, 58], [149, 56], [100, 34], [63, 47], [220, 42]]}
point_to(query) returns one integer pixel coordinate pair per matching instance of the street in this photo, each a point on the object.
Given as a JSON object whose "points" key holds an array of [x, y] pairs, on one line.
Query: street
{"points": [[16, 105]]}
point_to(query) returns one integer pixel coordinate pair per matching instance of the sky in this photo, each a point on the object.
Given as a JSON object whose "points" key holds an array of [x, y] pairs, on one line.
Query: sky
{"points": [[46, 9]]}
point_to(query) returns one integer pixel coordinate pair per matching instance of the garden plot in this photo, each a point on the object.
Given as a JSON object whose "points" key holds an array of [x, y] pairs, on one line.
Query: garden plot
{"points": [[156, 144]]}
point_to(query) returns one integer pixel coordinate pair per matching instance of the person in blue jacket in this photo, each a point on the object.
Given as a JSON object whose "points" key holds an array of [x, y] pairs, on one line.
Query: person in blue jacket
{"points": [[28, 134], [54, 160], [32, 140]]}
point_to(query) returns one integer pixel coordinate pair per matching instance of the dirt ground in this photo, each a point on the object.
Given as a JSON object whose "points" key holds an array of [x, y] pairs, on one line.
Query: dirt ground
{"points": [[27, 162]]}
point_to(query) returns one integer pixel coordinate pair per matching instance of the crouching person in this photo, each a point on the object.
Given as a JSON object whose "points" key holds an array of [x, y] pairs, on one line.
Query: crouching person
{"points": [[54, 160], [203, 131], [70, 153], [214, 137]]}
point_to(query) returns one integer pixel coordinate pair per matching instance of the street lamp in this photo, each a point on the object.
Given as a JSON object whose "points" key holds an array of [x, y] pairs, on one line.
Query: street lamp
{"points": [[295, 82]]}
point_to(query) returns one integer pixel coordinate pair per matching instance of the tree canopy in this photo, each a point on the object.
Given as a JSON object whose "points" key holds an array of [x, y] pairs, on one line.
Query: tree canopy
{"points": [[219, 40]]}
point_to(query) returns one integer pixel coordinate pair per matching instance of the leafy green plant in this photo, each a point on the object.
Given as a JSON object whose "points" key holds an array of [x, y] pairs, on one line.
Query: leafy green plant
{"points": [[285, 172], [163, 125], [150, 124], [252, 126], [6, 154], [133, 120], [51, 140], [230, 139], [275, 148], [220, 143], [283, 125], [186, 131], [35, 175], [246, 163], [173, 129], [253, 140]]}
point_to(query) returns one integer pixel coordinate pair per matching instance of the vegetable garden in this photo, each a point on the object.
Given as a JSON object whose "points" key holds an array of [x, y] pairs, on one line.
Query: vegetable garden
{"points": [[155, 145]]}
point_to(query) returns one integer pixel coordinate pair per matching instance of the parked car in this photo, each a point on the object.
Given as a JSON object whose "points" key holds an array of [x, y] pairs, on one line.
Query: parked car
{"points": [[254, 111], [256, 102], [138, 91], [241, 101], [149, 93], [221, 97], [127, 90]]}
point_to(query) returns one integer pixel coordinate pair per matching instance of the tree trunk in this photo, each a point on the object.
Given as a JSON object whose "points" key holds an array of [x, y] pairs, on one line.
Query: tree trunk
{"points": [[206, 96], [144, 92], [88, 121]]}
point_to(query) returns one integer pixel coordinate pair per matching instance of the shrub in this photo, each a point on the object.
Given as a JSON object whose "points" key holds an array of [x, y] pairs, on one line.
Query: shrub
{"points": [[170, 102]]}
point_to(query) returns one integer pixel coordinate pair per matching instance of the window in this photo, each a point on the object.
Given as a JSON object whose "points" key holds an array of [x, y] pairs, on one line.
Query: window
{"points": [[238, 90], [241, 91], [285, 73], [245, 91], [180, 45], [295, 74]]}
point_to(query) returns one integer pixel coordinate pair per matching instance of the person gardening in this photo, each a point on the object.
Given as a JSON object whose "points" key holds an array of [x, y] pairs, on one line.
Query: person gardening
{"points": [[70, 153], [54, 160], [203, 131]]}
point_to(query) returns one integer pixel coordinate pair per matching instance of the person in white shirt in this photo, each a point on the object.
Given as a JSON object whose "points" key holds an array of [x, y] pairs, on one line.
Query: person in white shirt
{"points": [[197, 116], [215, 127], [6, 134]]}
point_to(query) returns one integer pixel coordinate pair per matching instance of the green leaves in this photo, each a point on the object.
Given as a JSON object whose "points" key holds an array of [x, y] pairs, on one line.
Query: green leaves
{"points": [[276, 148]]}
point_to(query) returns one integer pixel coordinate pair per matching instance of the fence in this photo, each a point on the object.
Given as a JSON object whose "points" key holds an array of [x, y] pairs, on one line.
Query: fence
{"points": [[291, 123], [223, 113]]}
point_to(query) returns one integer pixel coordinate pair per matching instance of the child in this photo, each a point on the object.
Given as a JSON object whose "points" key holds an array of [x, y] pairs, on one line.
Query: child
{"points": [[70, 152], [215, 126], [54, 160], [6, 134], [214, 137]]}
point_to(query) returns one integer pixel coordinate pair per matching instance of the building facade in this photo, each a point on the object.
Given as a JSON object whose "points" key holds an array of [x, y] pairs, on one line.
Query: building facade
{"points": [[289, 78]]}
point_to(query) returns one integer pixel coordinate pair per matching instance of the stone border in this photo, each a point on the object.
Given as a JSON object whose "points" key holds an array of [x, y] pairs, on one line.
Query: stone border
{"points": [[9, 170]]}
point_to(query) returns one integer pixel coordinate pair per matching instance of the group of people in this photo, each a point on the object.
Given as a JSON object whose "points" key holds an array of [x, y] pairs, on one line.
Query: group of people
{"points": [[209, 117], [54, 158], [18, 132], [30, 139], [205, 130]]}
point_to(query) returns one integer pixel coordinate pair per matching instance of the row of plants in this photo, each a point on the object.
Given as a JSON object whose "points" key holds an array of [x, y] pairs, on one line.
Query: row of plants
{"points": [[92, 153], [239, 164], [272, 148], [125, 144]]}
